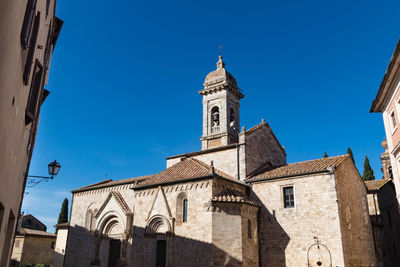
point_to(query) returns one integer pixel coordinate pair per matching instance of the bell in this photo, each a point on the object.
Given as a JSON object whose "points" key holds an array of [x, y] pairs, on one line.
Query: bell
{"points": [[216, 116]]}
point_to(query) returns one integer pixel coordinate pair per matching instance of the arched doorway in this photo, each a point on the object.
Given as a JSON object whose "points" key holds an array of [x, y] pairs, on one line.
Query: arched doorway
{"points": [[111, 238], [158, 229]]}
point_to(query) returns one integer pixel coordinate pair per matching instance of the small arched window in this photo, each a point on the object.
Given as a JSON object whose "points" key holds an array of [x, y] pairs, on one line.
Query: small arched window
{"points": [[181, 208], [249, 234], [185, 206], [89, 220]]}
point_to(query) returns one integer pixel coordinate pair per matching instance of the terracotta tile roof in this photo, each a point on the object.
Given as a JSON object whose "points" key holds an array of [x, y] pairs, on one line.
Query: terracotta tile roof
{"points": [[26, 231], [299, 168], [230, 196], [109, 182], [375, 185], [186, 169]]}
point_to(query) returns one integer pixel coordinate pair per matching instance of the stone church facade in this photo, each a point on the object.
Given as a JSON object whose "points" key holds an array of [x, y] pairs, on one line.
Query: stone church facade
{"points": [[234, 203]]}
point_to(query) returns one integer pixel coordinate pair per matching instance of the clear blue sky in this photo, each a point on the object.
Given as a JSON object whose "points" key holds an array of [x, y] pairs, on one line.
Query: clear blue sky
{"points": [[125, 75]]}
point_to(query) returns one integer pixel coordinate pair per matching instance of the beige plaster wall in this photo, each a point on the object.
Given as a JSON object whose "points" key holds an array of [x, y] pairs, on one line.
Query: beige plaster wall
{"points": [[60, 247], [14, 134]]}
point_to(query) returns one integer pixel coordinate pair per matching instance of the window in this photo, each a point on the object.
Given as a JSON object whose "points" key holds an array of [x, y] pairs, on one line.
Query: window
{"points": [[288, 196], [34, 94], [31, 50], [181, 208], [249, 235], [185, 206], [27, 24], [393, 120], [48, 47], [215, 120]]}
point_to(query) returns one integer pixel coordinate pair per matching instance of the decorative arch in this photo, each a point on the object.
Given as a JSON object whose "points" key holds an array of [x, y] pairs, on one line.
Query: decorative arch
{"points": [[104, 222], [158, 224], [90, 220], [181, 208]]}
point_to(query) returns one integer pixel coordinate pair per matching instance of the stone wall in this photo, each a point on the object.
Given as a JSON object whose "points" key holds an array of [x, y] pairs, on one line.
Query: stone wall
{"points": [[286, 234], [355, 224], [35, 250], [191, 240], [250, 249], [262, 148], [386, 225], [224, 160], [227, 234], [60, 247], [82, 240]]}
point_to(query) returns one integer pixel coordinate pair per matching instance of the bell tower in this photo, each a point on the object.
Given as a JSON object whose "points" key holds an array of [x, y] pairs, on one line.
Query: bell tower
{"points": [[221, 106]]}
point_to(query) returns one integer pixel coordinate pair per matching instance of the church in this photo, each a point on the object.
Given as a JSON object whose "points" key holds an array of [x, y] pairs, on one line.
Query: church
{"points": [[236, 202]]}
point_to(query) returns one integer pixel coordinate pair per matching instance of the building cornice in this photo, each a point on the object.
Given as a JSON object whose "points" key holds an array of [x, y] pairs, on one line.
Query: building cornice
{"points": [[386, 88]]}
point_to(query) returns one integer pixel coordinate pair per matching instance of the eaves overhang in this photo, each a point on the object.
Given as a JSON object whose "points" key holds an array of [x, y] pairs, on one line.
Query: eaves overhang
{"points": [[387, 88]]}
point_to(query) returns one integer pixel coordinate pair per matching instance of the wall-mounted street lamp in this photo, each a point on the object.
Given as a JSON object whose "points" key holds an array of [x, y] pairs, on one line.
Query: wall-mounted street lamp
{"points": [[54, 168]]}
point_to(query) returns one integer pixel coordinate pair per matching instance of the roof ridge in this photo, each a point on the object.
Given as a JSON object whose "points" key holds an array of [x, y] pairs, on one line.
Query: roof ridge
{"points": [[338, 156], [201, 163], [300, 168]]}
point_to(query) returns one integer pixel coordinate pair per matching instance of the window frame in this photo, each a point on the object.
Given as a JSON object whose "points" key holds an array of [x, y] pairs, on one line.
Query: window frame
{"points": [[32, 48], [284, 197], [184, 210], [27, 24], [32, 104]]}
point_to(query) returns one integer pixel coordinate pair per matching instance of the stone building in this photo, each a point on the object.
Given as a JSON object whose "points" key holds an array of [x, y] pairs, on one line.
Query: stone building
{"points": [[28, 33], [236, 202], [28, 221], [385, 218], [32, 245], [387, 102]]}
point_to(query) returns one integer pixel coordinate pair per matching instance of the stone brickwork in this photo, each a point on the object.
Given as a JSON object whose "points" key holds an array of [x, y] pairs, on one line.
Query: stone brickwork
{"points": [[33, 249], [385, 219], [199, 212], [194, 235], [261, 149], [355, 225], [286, 234]]}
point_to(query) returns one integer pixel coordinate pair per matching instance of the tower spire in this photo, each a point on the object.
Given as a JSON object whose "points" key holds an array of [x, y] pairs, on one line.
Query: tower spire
{"points": [[220, 63]]}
